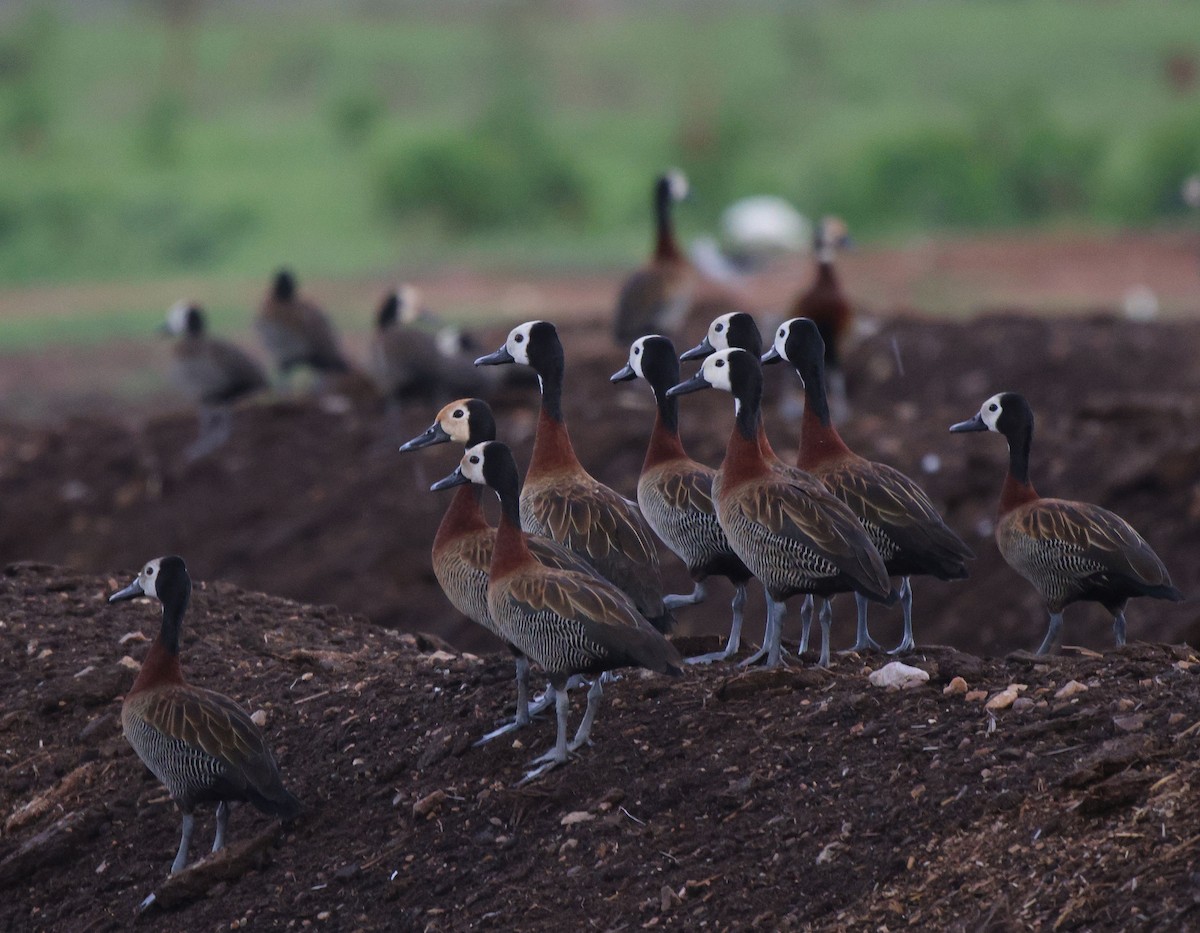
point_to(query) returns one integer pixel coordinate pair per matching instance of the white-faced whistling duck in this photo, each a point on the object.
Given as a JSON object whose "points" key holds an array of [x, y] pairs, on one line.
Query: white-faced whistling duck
{"points": [[462, 547], [213, 373], [903, 524], [674, 492], [295, 331], [568, 622], [825, 304], [563, 501], [656, 296], [411, 362], [1070, 551], [792, 533], [200, 744]]}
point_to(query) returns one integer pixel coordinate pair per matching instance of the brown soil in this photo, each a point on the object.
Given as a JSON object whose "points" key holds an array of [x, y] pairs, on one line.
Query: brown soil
{"points": [[795, 799]]}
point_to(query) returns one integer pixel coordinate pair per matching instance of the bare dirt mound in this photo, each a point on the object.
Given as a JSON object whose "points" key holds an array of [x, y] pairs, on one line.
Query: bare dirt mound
{"points": [[312, 501], [716, 800]]}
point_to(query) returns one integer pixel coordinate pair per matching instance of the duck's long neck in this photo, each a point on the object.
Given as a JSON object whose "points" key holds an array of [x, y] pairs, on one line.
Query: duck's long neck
{"points": [[665, 246], [665, 444], [744, 454], [1017, 489], [552, 448], [463, 516], [819, 439], [512, 547], [162, 660]]}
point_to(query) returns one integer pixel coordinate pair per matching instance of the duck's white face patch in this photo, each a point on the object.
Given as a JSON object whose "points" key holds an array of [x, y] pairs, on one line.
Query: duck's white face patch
{"points": [[148, 578], [177, 318], [455, 420], [718, 331], [472, 463], [677, 183], [781, 338], [716, 370], [409, 300], [637, 353], [990, 412], [518, 342]]}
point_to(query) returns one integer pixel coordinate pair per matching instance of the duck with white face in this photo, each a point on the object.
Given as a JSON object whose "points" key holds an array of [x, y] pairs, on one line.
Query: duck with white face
{"points": [[213, 373], [1070, 551], [675, 494], [568, 622], [789, 530]]}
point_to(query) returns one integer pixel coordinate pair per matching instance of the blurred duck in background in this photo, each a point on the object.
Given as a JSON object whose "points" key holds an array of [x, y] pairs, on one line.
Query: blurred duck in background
{"points": [[213, 373], [296, 332]]}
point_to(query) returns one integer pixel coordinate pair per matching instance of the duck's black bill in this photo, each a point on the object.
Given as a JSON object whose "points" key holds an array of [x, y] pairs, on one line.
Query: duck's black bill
{"points": [[623, 375], [699, 351], [495, 359], [695, 384], [454, 479], [435, 435], [974, 424], [771, 356], [133, 591]]}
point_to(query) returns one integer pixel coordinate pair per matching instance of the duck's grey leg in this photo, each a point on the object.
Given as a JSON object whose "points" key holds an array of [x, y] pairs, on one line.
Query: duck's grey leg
{"points": [[735, 631], [557, 755], [826, 625], [863, 640], [772, 648], [806, 614], [1052, 633], [222, 825], [1119, 626], [906, 601], [185, 841], [697, 595], [584, 735]]}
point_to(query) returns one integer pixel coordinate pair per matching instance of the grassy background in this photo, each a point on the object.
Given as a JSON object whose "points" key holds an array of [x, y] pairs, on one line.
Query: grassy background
{"points": [[176, 139]]}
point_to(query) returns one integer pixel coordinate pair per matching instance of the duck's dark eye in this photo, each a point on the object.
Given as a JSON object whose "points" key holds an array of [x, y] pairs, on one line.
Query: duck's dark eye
{"points": [[719, 328], [993, 407], [782, 332], [637, 351], [720, 363], [458, 413], [520, 338], [474, 459], [149, 571]]}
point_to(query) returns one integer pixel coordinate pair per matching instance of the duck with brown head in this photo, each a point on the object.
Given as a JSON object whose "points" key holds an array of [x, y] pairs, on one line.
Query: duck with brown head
{"points": [[1070, 551], [675, 492], [825, 303], [568, 622], [463, 545], [200, 744], [563, 501], [656, 296], [903, 524], [792, 533]]}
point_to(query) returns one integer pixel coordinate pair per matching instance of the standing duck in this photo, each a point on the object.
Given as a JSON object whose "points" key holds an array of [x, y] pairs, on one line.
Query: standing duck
{"points": [[903, 524], [1070, 551], [410, 362], [563, 501], [568, 622], [214, 373], [656, 296], [792, 533], [295, 331], [674, 492], [825, 304], [200, 744], [463, 546]]}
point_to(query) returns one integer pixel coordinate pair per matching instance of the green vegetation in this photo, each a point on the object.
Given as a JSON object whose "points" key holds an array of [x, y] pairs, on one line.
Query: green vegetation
{"points": [[224, 141]]}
